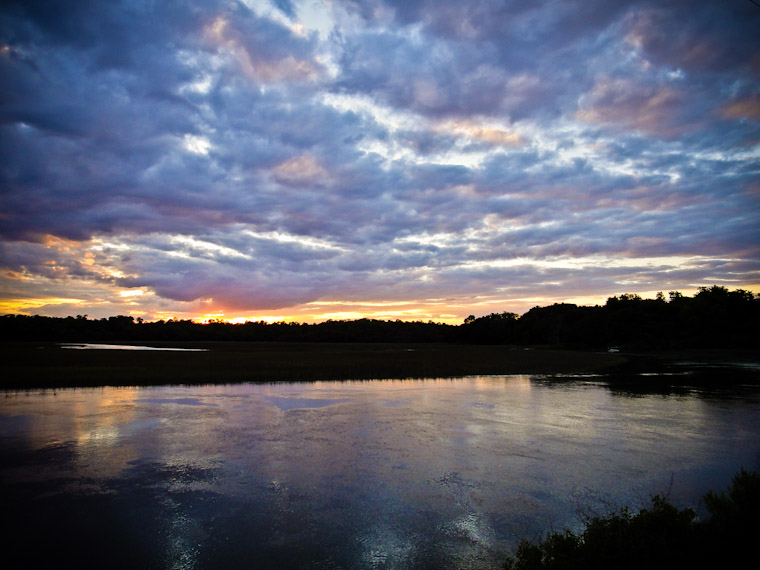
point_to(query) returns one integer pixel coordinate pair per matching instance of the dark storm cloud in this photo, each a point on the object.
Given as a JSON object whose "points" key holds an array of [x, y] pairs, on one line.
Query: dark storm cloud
{"points": [[711, 36], [239, 152]]}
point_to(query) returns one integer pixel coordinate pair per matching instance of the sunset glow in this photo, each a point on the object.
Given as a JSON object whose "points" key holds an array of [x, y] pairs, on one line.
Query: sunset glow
{"points": [[297, 160]]}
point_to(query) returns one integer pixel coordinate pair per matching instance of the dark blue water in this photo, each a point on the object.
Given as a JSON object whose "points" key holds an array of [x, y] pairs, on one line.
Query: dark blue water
{"points": [[372, 474]]}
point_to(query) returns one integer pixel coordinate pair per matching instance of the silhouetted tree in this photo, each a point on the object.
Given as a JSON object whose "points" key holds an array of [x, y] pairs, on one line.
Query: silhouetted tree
{"points": [[714, 317]]}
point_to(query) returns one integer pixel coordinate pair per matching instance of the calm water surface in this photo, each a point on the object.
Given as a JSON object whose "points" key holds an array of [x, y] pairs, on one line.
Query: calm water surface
{"points": [[373, 474]]}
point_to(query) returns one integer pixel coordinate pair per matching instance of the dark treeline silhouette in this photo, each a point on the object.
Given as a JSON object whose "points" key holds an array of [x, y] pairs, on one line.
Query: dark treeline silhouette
{"points": [[124, 328], [714, 317]]}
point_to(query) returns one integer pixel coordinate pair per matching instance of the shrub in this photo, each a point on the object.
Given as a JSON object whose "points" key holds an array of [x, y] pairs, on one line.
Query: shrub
{"points": [[661, 536]]}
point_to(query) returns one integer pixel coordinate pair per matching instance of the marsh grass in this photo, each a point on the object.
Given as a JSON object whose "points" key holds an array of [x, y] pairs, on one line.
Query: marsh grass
{"points": [[42, 365]]}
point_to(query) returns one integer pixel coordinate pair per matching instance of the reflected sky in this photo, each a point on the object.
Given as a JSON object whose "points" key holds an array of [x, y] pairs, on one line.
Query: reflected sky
{"points": [[371, 474], [101, 346]]}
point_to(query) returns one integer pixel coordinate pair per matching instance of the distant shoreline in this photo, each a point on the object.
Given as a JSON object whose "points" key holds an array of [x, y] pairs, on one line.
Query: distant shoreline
{"points": [[714, 317], [34, 365]]}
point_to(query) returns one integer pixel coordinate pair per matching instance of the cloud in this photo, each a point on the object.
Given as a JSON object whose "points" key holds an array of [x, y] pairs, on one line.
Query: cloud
{"points": [[263, 50], [747, 108], [300, 170], [710, 36], [263, 156], [652, 110]]}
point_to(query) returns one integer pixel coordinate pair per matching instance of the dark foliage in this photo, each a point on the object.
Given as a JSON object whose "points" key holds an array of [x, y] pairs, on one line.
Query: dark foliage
{"points": [[715, 317], [661, 536], [496, 328], [123, 328]]}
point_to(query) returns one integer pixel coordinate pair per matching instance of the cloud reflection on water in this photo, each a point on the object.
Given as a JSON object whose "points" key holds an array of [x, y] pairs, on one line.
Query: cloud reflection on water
{"points": [[414, 474]]}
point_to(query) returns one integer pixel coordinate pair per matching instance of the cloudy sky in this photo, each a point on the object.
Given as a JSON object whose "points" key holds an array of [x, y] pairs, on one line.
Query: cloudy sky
{"points": [[316, 159]]}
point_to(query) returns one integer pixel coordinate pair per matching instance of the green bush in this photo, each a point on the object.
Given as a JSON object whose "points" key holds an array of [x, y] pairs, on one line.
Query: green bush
{"points": [[661, 536]]}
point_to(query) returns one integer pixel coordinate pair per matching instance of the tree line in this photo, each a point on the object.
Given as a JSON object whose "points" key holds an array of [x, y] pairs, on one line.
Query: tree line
{"points": [[713, 317]]}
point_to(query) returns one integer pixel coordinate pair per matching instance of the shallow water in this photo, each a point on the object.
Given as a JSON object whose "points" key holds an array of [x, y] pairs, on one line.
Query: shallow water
{"points": [[101, 346], [371, 474]]}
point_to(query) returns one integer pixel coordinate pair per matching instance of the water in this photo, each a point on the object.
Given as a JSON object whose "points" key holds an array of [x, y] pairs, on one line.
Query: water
{"points": [[101, 346], [372, 474]]}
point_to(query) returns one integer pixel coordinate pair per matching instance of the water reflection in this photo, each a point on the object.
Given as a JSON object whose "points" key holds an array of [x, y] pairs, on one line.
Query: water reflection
{"points": [[405, 474], [102, 346]]}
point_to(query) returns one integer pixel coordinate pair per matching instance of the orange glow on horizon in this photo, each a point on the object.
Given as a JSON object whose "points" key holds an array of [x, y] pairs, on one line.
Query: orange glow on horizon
{"points": [[140, 303]]}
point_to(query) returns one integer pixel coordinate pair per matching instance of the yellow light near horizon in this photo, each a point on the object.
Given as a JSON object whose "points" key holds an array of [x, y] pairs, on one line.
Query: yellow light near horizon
{"points": [[18, 306]]}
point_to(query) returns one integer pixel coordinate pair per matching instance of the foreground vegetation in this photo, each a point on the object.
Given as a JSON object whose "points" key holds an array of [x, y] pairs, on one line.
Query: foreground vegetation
{"points": [[661, 536], [714, 317]]}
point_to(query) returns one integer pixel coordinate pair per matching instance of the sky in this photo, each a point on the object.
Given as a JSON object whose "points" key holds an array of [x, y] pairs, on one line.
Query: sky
{"points": [[339, 159]]}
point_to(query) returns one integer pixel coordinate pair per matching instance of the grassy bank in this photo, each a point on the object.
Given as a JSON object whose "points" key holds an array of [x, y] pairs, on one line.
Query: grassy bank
{"points": [[46, 365]]}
